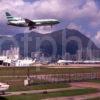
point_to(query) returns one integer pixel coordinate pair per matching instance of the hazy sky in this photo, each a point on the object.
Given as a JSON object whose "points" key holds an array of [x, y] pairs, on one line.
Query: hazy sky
{"points": [[83, 15]]}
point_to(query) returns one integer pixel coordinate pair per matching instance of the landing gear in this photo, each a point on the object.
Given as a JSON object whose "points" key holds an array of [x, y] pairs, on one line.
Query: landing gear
{"points": [[51, 26], [32, 27]]}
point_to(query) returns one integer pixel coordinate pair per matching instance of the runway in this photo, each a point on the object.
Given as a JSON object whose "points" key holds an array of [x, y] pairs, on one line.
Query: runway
{"points": [[74, 66]]}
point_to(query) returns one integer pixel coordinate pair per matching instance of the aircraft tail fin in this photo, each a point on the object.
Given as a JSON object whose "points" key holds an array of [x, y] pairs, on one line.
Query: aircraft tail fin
{"points": [[9, 16]]}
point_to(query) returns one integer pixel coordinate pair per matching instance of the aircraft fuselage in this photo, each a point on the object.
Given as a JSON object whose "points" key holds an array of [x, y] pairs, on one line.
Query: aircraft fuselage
{"points": [[44, 22]]}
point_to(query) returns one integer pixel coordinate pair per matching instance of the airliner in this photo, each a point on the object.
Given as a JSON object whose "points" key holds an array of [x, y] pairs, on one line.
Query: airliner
{"points": [[3, 87], [32, 24]]}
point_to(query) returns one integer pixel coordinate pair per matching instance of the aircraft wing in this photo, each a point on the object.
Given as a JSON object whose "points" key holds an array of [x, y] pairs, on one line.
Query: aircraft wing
{"points": [[30, 23]]}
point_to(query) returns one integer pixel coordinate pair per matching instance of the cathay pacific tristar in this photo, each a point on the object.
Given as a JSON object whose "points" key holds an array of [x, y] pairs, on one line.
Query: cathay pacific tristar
{"points": [[32, 24]]}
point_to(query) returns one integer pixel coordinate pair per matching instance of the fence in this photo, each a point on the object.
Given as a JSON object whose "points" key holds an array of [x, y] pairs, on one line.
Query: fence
{"points": [[70, 77]]}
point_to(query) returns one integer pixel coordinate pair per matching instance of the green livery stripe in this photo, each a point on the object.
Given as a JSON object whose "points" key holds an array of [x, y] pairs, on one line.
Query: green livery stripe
{"points": [[9, 17]]}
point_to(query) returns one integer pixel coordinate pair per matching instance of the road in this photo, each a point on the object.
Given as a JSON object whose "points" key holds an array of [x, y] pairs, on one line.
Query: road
{"points": [[39, 91], [76, 85], [80, 97]]}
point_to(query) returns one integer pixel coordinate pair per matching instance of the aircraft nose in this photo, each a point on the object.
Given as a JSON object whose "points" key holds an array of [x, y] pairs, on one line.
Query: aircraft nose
{"points": [[58, 22], [6, 86]]}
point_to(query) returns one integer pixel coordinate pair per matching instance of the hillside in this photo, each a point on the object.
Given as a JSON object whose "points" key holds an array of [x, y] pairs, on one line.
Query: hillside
{"points": [[56, 40], [52, 44]]}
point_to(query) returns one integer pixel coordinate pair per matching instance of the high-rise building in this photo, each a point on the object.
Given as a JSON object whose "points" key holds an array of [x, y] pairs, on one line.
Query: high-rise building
{"points": [[12, 53]]}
